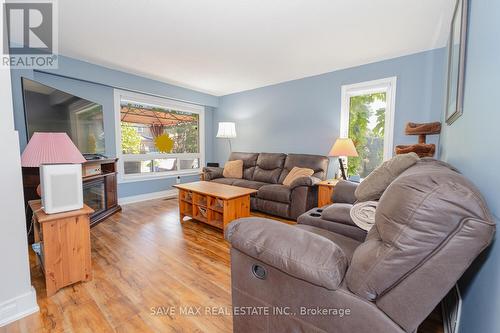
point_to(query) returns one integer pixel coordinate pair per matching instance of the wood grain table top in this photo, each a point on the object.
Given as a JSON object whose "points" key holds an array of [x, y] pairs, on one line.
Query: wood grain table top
{"points": [[329, 182], [222, 191], [36, 207]]}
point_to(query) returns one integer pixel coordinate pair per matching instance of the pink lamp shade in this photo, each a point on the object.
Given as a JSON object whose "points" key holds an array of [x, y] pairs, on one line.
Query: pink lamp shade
{"points": [[50, 148]]}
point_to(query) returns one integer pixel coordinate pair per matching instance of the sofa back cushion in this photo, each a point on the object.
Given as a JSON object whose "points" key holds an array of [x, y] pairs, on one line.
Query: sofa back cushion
{"points": [[420, 211], [372, 187], [317, 163], [269, 167], [249, 162]]}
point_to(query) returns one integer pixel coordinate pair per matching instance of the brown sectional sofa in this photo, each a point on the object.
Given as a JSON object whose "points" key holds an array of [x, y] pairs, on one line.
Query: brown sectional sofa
{"points": [[430, 225], [265, 172]]}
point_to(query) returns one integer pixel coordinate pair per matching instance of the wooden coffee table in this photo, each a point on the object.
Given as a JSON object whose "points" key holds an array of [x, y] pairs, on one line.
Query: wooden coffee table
{"points": [[213, 203]]}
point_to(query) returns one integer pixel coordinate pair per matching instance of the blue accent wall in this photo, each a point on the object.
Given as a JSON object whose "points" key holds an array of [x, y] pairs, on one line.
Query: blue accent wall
{"points": [[96, 83], [471, 145], [303, 116]]}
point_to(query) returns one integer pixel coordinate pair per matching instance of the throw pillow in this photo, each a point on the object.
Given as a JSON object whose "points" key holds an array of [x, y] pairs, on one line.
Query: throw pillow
{"points": [[297, 173], [233, 169], [373, 186]]}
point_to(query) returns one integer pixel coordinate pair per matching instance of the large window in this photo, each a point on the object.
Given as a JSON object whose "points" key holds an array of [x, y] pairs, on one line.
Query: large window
{"points": [[157, 137], [367, 118]]}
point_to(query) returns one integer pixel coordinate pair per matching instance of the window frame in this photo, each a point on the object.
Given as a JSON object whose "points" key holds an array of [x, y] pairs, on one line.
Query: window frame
{"points": [[387, 85], [161, 102]]}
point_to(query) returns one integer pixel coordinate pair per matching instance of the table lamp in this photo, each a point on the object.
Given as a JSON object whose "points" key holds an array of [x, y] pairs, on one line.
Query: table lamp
{"points": [[227, 130], [60, 170], [343, 147]]}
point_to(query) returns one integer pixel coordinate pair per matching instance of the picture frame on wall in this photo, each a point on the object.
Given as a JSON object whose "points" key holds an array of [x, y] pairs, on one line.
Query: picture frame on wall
{"points": [[457, 44]]}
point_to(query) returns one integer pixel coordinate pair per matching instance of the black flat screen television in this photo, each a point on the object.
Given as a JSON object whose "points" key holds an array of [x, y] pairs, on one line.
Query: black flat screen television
{"points": [[47, 109]]}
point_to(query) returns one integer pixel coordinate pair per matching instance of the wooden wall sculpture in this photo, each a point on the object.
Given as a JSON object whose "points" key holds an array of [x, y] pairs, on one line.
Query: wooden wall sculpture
{"points": [[421, 148]]}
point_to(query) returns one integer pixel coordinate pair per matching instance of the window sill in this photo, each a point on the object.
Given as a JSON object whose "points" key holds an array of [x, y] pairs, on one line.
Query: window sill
{"points": [[142, 178]]}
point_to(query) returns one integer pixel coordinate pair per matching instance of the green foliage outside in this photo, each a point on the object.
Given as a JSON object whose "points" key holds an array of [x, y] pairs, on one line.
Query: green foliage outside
{"points": [[131, 140], [366, 140], [185, 136]]}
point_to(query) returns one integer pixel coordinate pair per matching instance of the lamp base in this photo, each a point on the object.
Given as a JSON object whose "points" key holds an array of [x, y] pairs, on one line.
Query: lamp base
{"points": [[342, 169]]}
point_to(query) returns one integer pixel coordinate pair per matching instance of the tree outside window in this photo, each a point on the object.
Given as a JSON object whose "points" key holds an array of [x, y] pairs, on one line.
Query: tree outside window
{"points": [[366, 129]]}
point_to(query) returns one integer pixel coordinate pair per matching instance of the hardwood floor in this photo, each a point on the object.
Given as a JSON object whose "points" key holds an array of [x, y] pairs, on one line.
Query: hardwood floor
{"points": [[146, 264]]}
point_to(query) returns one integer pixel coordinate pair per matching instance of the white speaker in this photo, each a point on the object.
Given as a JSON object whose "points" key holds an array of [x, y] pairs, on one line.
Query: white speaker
{"points": [[61, 187]]}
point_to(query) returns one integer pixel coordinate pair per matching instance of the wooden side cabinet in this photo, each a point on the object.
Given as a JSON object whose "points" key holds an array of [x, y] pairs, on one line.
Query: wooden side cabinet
{"points": [[325, 191], [64, 240]]}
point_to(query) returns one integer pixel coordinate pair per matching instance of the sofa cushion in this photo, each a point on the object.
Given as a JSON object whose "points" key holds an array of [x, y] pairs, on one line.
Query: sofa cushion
{"points": [[269, 167], [266, 176], [272, 207], [249, 162], [313, 217], [275, 192], [318, 260], [372, 187], [344, 192], [317, 163], [296, 173], [304, 181], [348, 245], [233, 169], [227, 181], [338, 212], [248, 184]]}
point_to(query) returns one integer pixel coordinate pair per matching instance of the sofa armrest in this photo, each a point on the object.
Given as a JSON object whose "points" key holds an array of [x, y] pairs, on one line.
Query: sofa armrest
{"points": [[304, 181], [297, 252], [344, 192], [210, 173]]}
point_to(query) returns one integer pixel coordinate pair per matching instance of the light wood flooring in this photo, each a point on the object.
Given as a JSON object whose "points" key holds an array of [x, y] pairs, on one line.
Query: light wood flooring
{"points": [[146, 265]]}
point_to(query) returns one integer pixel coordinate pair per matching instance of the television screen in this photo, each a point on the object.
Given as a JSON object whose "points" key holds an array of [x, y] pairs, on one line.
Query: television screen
{"points": [[51, 110]]}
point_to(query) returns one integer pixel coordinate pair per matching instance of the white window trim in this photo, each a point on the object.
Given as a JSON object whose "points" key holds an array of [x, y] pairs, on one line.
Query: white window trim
{"points": [[162, 102], [387, 85]]}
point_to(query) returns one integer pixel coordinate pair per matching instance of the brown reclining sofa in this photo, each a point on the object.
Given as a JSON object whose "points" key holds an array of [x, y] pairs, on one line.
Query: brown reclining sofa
{"points": [[265, 172], [430, 225]]}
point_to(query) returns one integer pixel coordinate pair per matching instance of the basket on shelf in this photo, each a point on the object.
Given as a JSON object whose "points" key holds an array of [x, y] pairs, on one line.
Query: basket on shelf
{"points": [[219, 203], [203, 211]]}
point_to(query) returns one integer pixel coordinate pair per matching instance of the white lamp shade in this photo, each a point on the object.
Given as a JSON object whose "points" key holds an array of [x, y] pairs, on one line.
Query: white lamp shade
{"points": [[343, 147], [226, 130]]}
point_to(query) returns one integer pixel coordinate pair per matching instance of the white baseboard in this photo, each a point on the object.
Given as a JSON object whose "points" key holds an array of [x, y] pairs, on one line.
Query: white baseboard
{"points": [[148, 196], [18, 307]]}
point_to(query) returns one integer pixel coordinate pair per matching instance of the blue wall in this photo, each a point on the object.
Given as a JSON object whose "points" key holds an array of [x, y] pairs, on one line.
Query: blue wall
{"points": [[95, 83], [296, 116], [471, 144], [303, 116]]}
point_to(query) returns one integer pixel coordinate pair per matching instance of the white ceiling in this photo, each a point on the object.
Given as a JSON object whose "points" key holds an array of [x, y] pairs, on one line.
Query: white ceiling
{"points": [[226, 46]]}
